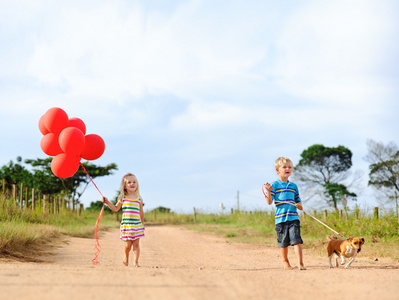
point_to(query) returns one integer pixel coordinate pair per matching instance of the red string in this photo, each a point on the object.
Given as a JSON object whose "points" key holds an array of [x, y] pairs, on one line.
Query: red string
{"points": [[97, 247]]}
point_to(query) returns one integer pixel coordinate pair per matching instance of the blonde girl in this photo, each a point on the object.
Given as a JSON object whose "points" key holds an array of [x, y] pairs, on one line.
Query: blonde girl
{"points": [[132, 228]]}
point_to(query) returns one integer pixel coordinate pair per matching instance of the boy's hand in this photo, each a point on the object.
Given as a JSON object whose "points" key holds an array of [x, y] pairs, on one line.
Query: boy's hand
{"points": [[105, 200], [299, 206], [268, 187]]}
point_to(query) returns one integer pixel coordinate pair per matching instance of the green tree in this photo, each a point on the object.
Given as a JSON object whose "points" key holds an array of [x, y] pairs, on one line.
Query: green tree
{"points": [[15, 173], [72, 187], [384, 167], [324, 170]]}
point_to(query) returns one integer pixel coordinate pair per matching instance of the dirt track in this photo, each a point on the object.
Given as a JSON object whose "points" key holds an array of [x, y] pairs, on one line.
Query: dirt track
{"points": [[180, 264]]}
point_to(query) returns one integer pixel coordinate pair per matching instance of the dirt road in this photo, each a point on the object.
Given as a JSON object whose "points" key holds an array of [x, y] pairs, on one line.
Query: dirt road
{"points": [[180, 264]]}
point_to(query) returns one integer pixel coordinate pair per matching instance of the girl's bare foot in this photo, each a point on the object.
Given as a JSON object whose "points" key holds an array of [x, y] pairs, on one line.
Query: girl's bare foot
{"points": [[137, 265], [302, 267], [287, 265], [126, 261]]}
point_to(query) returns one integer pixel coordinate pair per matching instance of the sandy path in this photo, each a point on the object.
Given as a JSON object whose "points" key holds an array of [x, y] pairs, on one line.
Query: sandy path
{"points": [[180, 264]]}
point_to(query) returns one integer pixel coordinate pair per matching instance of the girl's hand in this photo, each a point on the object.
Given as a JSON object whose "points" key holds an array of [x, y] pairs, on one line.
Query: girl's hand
{"points": [[105, 200]]}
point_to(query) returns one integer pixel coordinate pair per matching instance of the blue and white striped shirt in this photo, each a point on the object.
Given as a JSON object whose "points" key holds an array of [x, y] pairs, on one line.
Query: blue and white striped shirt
{"points": [[284, 193]]}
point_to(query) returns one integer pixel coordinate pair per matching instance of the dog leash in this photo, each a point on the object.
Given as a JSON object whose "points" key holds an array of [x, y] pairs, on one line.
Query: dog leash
{"points": [[310, 216]]}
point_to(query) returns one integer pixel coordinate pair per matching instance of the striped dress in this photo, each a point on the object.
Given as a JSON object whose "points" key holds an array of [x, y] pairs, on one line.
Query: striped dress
{"points": [[131, 226]]}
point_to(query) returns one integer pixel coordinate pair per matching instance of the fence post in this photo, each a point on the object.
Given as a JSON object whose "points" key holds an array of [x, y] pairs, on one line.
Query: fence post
{"points": [[195, 215], [341, 214], [26, 197], [55, 205], [33, 199], [14, 192], [4, 188], [44, 203], [376, 212], [21, 195], [325, 214]]}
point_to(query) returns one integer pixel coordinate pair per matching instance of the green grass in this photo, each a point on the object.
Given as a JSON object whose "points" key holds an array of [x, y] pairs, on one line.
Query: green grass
{"points": [[25, 233], [381, 234]]}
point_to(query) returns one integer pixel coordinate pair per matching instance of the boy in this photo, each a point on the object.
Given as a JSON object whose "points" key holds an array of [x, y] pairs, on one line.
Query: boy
{"points": [[286, 198]]}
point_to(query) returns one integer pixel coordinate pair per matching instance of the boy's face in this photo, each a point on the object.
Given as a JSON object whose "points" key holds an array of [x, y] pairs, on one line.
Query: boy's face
{"points": [[284, 171]]}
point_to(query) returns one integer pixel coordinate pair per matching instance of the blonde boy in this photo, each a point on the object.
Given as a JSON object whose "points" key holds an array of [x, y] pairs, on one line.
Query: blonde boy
{"points": [[286, 199]]}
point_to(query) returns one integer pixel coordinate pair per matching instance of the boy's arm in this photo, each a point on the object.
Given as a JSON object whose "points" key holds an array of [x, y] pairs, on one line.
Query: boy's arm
{"points": [[269, 198]]}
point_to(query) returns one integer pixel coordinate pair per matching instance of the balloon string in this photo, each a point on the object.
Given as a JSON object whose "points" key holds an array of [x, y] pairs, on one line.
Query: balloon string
{"points": [[97, 247]]}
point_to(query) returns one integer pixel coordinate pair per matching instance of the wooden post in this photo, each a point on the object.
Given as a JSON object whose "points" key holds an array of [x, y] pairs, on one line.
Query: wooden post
{"points": [[44, 203], [325, 214], [33, 199], [4, 188], [195, 215], [376, 212], [21, 196], [14, 192], [341, 214], [55, 205], [26, 197]]}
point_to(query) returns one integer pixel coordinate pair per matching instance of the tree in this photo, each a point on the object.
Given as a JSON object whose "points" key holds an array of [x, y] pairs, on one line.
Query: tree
{"points": [[15, 173], [324, 170], [384, 167], [74, 186]]}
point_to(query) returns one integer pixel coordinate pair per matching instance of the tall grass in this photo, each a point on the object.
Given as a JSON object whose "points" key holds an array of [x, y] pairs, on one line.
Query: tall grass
{"points": [[381, 234], [24, 233]]}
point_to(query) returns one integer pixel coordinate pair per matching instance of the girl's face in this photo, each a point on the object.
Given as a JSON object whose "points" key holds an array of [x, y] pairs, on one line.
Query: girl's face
{"points": [[131, 184], [284, 171]]}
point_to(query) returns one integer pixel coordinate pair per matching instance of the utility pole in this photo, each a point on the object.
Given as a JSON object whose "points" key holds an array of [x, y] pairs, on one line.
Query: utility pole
{"points": [[238, 200]]}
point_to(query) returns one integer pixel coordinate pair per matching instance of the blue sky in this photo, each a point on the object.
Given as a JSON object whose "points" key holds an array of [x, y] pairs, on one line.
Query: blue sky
{"points": [[198, 98]]}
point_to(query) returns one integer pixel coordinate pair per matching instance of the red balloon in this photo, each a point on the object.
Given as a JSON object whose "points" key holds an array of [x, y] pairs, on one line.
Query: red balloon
{"points": [[49, 144], [94, 147], [78, 123], [65, 165], [72, 140], [55, 120], [42, 127]]}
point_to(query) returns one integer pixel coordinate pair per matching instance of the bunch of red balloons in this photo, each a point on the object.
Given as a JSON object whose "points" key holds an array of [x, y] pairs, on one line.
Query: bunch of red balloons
{"points": [[65, 138]]}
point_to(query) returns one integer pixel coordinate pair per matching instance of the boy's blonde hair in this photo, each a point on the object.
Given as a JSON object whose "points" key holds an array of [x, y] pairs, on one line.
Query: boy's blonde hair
{"points": [[123, 190], [281, 160]]}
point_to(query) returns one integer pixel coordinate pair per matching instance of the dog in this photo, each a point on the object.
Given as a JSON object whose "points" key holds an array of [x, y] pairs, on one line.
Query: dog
{"points": [[344, 249]]}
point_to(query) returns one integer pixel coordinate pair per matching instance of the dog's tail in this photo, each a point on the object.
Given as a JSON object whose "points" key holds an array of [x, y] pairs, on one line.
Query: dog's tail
{"points": [[330, 238]]}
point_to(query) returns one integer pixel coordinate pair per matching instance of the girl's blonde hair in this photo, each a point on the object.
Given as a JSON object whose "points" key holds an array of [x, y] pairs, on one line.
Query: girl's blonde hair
{"points": [[281, 160], [123, 190]]}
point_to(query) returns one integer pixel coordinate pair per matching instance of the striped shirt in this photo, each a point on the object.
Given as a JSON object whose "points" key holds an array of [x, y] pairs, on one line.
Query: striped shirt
{"points": [[284, 194], [131, 226]]}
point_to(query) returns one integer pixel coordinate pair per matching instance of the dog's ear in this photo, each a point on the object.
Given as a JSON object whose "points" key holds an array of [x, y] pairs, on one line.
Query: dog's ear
{"points": [[350, 238], [363, 240]]}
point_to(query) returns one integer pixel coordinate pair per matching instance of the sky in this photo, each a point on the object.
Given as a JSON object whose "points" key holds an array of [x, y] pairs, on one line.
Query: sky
{"points": [[199, 98]]}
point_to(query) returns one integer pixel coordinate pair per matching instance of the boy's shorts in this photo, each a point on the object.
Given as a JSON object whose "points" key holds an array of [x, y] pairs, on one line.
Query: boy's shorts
{"points": [[288, 233]]}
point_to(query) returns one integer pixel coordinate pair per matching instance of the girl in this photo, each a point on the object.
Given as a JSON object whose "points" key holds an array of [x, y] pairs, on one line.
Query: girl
{"points": [[132, 228]]}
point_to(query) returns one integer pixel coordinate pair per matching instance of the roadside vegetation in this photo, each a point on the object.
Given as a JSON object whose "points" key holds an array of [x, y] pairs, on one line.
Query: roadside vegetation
{"points": [[381, 234], [26, 234]]}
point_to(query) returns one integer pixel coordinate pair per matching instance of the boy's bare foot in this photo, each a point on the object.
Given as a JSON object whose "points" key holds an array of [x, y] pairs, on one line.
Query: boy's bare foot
{"points": [[302, 267], [287, 265], [137, 265]]}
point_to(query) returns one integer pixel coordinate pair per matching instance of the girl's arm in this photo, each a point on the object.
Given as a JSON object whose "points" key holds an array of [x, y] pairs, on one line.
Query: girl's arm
{"points": [[141, 212], [114, 208]]}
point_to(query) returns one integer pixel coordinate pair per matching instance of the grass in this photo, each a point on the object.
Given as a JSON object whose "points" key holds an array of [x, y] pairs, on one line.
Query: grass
{"points": [[25, 234], [381, 234]]}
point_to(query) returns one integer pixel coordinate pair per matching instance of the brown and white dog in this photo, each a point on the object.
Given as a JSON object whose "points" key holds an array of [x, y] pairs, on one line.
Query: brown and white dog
{"points": [[344, 249]]}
